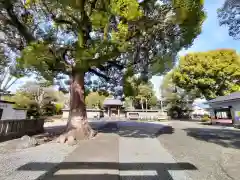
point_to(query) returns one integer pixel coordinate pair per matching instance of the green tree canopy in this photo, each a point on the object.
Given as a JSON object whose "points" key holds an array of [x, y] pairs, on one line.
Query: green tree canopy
{"points": [[211, 74], [76, 38], [139, 92]]}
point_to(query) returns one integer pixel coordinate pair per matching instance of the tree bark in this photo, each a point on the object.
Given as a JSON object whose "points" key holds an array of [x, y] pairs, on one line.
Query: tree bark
{"points": [[78, 127]]}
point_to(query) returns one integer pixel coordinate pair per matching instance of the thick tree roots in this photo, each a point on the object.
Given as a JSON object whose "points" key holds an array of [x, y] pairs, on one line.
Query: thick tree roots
{"points": [[74, 135]]}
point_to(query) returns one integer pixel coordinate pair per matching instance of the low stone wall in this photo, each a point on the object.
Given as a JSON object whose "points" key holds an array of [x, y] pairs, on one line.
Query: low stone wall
{"points": [[10, 129], [91, 113], [149, 114]]}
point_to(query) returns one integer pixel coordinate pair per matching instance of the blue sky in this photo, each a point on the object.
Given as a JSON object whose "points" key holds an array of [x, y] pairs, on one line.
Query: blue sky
{"points": [[212, 37]]}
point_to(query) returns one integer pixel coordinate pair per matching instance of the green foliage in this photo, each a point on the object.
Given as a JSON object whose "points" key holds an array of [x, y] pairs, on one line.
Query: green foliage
{"points": [[58, 108], [205, 118], [211, 74], [48, 110], [99, 19], [36, 57], [153, 101], [95, 100], [121, 34], [189, 12], [130, 82], [98, 37], [38, 99], [129, 9], [145, 91], [137, 90], [128, 103], [20, 99], [175, 100], [131, 20], [36, 54], [33, 111]]}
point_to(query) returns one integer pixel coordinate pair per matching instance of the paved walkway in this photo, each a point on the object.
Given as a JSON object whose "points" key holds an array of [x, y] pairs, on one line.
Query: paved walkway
{"points": [[114, 157]]}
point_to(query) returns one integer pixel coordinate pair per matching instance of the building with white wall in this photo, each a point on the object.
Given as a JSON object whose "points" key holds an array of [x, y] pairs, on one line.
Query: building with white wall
{"points": [[226, 108], [8, 112], [199, 111]]}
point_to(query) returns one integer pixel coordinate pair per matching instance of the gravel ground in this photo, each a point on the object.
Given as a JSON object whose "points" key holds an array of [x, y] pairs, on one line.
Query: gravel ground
{"points": [[12, 159], [50, 152], [214, 150]]}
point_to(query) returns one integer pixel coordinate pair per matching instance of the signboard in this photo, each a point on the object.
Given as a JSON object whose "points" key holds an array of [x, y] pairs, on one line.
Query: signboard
{"points": [[133, 115], [20, 114], [237, 117]]}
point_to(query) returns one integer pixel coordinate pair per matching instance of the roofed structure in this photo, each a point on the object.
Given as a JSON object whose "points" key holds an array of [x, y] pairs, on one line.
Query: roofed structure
{"points": [[232, 96], [112, 102], [226, 109], [113, 106]]}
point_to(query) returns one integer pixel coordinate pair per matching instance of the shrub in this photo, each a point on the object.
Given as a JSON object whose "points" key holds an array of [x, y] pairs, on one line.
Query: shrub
{"points": [[58, 108], [33, 111], [205, 118], [49, 109]]}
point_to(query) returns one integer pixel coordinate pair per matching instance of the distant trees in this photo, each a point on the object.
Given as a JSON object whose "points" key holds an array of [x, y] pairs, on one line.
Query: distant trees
{"points": [[177, 102], [41, 92], [201, 74], [95, 100], [38, 98], [146, 96], [209, 74], [138, 93]]}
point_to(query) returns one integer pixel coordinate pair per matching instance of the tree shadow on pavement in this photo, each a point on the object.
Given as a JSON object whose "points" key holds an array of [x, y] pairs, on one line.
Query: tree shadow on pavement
{"points": [[136, 129], [223, 137], [106, 170], [122, 128]]}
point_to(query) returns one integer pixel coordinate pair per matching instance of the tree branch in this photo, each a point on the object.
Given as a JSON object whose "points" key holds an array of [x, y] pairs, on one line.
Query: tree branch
{"points": [[115, 64], [14, 19], [99, 74]]}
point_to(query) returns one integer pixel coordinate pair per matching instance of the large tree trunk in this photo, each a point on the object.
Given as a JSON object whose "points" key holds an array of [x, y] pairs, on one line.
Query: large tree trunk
{"points": [[78, 127]]}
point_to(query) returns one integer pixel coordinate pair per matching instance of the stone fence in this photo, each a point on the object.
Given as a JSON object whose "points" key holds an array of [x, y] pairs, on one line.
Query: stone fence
{"points": [[146, 114], [91, 113], [10, 129]]}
